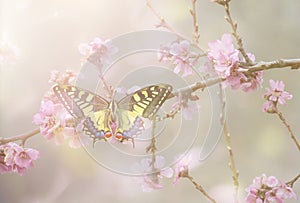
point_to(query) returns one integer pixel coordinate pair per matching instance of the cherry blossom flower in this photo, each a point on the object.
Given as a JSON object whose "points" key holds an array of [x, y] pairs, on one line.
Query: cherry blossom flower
{"points": [[225, 60], [274, 95], [152, 174], [52, 120], [254, 81], [56, 123], [98, 51], [62, 78], [8, 53], [223, 55], [15, 158], [180, 55], [266, 189], [182, 167]]}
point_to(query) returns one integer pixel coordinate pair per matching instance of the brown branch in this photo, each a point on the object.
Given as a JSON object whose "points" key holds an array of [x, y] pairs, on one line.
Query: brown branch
{"points": [[194, 87], [232, 166], [193, 12], [234, 31], [281, 63], [291, 182], [22, 137], [200, 188], [281, 117]]}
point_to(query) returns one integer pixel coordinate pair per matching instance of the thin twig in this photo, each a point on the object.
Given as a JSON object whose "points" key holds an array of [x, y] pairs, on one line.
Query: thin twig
{"points": [[193, 12], [152, 147], [291, 182], [23, 137], [281, 117], [234, 32], [163, 23], [235, 174], [200, 188]]}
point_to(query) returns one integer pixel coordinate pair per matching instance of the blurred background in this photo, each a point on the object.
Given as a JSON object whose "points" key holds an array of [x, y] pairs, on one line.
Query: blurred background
{"points": [[48, 33]]}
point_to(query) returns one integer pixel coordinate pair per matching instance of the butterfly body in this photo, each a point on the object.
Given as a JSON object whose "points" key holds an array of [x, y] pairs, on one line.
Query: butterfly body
{"points": [[102, 119]]}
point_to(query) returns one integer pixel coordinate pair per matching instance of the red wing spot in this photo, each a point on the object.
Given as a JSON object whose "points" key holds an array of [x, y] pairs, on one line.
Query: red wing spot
{"points": [[108, 134], [119, 136]]}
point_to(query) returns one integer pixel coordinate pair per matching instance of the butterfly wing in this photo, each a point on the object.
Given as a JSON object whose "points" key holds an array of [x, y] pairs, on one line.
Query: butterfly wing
{"points": [[86, 106], [146, 101], [142, 103]]}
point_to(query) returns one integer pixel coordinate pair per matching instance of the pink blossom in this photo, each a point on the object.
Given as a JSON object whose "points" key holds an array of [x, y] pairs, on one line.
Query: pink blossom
{"points": [[223, 55], [247, 82], [8, 53], [14, 158], [63, 78], [182, 167], [180, 55], [266, 189], [276, 93], [152, 175], [55, 123], [254, 81], [269, 107], [98, 51]]}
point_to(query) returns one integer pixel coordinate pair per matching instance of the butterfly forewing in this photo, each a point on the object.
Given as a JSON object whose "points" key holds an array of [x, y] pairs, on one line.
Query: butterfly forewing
{"points": [[78, 102], [146, 101]]}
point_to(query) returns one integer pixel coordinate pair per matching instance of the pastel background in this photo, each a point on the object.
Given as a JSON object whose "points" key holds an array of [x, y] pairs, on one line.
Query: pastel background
{"points": [[48, 33]]}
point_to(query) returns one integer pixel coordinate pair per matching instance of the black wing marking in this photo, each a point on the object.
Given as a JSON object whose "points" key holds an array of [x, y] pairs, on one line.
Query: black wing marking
{"points": [[79, 102]]}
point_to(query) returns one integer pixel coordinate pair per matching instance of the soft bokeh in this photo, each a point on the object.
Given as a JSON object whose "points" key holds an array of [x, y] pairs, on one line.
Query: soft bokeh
{"points": [[47, 34]]}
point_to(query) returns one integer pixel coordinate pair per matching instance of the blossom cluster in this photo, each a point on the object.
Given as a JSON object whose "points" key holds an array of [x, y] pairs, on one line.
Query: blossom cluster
{"points": [[274, 95], [225, 61], [152, 174], [266, 189], [54, 120], [98, 51], [180, 55], [15, 158]]}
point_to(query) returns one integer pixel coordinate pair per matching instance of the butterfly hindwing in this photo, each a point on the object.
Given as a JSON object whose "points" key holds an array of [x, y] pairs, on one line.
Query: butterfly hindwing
{"points": [[146, 101]]}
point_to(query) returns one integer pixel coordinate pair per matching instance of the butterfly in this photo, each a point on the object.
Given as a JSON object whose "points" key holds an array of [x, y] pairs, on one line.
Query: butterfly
{"points": [[103, 119]]}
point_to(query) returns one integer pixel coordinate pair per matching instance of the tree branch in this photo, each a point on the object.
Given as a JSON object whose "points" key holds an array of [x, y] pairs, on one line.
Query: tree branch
{"points": [[200, 188], [22, 137], [235, 174], [281, 117], [291, 182], [234, 31], [193, 12], [281, 63], [163, 23]]}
